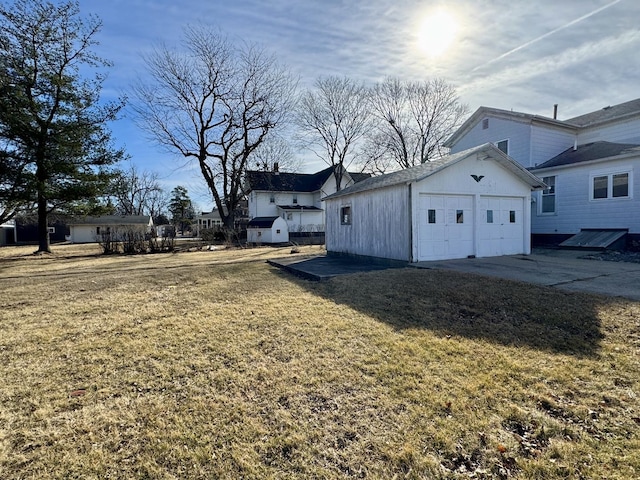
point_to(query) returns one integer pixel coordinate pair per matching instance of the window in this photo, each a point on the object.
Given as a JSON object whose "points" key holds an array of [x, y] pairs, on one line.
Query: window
{"points": [[512, 216], [277, 230], [503, 145], [272, 198], [614, 185], [549, 196], [97, 230], [295, 199], [431, 216], [459, 216], [485, 123], [345, 215], [489, 216], [289, 216]]}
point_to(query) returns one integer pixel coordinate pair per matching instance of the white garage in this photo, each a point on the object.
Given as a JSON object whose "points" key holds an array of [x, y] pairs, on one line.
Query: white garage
{"points": [[473, 203]]}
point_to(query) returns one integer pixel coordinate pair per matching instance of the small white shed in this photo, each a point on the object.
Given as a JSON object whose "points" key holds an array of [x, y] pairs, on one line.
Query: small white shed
{"points": [[267, 230], [473, 203]]}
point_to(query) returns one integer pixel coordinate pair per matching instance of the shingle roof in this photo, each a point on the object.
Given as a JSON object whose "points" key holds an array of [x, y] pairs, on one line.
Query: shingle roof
{"points": [[607, 114], [589, 152], [293, 182], [298, 207], [427, 169], [261, 222]]}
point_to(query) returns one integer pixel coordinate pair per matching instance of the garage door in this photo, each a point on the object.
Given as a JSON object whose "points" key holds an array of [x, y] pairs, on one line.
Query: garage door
{"points": [[501, 226], [445, 227]]}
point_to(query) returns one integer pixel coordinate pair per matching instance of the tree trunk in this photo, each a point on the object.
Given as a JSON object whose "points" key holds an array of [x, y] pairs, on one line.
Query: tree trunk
{"points": [[43, 228]]}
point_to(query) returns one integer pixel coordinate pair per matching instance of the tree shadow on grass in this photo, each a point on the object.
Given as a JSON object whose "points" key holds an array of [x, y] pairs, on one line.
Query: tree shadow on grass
{"points": [[472, 306]]}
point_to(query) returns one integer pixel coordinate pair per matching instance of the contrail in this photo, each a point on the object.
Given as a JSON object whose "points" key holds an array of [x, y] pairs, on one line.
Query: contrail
{"points": [[542, 37]]}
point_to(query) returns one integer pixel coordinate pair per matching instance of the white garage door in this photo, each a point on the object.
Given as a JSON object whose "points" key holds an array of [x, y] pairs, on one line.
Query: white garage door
{"points": [[445, 227], [501, 226]]}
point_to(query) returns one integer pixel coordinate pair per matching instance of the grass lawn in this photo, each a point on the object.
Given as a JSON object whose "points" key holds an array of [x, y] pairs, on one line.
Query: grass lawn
{"points": [[216, 365]]}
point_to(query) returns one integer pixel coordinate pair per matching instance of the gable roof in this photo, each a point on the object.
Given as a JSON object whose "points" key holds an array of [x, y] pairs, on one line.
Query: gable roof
{"points": [[114, 220], [607, 114], [420, 172], [590, 152], [293, 182], [483, 112]]}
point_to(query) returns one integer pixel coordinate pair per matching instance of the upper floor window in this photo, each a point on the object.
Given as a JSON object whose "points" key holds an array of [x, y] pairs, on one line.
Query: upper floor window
{"points": [[272, 198], [485, 123], [503, 145], [613, 185], [295, 199], [549, 196]]}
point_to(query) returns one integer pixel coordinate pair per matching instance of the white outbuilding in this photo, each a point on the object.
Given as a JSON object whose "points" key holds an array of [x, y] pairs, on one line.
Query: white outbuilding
{"points": [[267, 230], [475, 203]]}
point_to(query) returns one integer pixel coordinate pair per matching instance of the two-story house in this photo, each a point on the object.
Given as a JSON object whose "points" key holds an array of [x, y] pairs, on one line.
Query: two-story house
{"points": [[295, 197], [588, 163]]}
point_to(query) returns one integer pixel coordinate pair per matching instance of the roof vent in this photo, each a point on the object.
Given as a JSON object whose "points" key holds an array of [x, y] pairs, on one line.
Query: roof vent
{"points": [[555, 111], [607, 107]]}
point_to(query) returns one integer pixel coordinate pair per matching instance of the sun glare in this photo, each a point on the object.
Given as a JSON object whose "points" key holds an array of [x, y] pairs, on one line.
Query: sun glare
{"points": [[437, 32]]}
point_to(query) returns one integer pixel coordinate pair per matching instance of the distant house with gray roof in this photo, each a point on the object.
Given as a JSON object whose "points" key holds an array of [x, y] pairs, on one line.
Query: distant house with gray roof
{"points": [[295, 197], [588, 162], [91, 229]]}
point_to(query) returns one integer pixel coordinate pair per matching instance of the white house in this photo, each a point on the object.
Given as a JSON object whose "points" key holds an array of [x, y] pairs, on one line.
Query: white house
{"points": [[472, 203], [588, 162], [267, 230], [295, 197], [90, 229], [8, 233]]}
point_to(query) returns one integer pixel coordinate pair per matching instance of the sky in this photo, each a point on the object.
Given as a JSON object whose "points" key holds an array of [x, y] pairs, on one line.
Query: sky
{"points": [[519, 55]]}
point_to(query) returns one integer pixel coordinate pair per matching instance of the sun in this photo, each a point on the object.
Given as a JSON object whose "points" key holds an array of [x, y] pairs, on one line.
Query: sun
{"points": [[437, 32]]}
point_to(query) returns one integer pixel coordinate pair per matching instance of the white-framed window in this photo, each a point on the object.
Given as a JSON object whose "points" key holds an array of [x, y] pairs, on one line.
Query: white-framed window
{"points": [[289, 216], [272, 198], [548, 196], [503, 145], [610, 185], [489, 216], [485, 123], [345, 215], [295, 199]]}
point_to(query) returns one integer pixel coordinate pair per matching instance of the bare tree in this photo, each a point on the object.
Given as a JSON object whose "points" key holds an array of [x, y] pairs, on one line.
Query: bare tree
{"points": [[332, 118], [275, 150], [413, 119], [215, 103], [136, 192]]}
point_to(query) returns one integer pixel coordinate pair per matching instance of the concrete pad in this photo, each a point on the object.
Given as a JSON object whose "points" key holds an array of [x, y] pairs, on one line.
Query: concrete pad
{"points": [[324, 267], [555, 268]]}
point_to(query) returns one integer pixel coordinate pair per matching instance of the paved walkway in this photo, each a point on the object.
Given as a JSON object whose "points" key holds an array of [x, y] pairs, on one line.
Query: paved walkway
{"points": [[556, 268]]}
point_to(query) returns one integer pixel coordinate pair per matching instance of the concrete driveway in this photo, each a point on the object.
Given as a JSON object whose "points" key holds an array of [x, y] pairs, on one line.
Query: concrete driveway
{"points": [[555, 268]]}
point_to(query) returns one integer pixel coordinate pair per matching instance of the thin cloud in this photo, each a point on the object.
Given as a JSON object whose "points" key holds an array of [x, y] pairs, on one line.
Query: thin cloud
{"points": [[574, 56], [546, 35]]}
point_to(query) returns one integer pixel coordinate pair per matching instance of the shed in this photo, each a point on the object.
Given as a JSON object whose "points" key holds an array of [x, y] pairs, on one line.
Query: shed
{"points": [[8, 233], [472, 203], [90, 229], [267, 230]]}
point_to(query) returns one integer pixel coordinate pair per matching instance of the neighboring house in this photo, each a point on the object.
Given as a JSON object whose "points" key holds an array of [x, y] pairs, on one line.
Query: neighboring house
{"points": [[91, 229], [296, 197], [588, 162], [8, 233], [213, 219], [472, 203], [267, 230]]}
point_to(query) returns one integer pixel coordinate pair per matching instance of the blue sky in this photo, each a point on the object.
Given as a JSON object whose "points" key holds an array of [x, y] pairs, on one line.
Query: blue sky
{"points": [[510, 54]]}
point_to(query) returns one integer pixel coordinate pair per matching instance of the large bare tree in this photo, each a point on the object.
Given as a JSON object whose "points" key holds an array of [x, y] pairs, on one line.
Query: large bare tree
{"points": [[412, 121], [138, 192], [215, 103], [332, 118]]}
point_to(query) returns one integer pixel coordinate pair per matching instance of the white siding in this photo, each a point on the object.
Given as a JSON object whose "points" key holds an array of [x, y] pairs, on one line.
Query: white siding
{"points": [[620, 132], [546, 143], [574, 208], [518, 134], [380, 224]]}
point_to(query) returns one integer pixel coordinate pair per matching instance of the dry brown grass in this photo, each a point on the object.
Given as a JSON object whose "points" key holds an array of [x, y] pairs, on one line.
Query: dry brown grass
{"points": [[216, 365]]}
